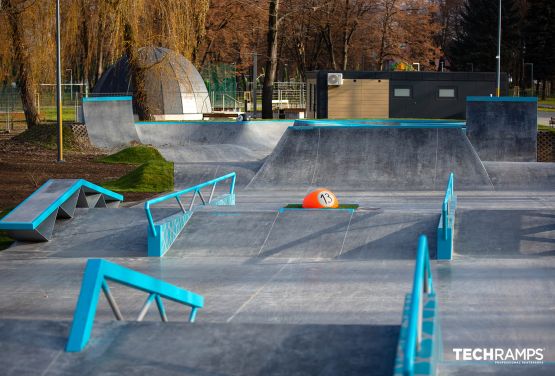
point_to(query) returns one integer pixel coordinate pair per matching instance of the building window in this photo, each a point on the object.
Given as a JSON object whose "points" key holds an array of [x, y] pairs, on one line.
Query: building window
{"points": [[447, 92], [402, 92]]}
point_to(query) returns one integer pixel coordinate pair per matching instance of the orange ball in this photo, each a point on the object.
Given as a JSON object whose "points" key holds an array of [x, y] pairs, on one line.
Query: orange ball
{"points": [[321, 198]]}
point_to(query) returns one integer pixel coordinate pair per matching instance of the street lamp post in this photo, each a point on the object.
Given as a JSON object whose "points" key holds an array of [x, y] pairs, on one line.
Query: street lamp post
{"points": [[499, 52], [59, 85]]}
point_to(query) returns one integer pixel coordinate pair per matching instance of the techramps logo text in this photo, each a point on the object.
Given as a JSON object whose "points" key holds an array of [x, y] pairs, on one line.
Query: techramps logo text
{"points": [[522, 356]]}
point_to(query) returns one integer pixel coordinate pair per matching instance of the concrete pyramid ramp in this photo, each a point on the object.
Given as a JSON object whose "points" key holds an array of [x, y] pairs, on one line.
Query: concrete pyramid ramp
{"points": [[299, 234], [373, 158]]}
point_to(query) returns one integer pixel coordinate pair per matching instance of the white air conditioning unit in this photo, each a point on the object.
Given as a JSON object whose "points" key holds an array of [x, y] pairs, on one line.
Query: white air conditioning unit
{"points": [[335, 79]]}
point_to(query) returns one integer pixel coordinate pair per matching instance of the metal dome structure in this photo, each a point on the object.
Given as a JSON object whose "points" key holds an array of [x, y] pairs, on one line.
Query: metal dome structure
{"points": [[174, 88]]}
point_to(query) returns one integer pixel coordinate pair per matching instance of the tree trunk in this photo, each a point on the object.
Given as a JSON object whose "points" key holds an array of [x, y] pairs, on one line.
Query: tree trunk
{"points": [[329, 42], [346, 38], [137, 73], [271, 63], [22, 60]]}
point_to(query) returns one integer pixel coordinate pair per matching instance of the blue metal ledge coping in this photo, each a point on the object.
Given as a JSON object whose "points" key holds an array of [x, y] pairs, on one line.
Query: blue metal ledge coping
{"points": [[375, 124], [106, 99], [501, 99], [52, 207], [99, 270]]}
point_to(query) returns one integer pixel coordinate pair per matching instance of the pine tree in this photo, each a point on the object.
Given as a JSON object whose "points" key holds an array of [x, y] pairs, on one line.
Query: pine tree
{"points": [[475, 44], [539, 37]]}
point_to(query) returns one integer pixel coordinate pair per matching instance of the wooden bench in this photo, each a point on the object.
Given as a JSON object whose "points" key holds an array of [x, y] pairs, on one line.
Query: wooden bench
{"points": [[34, 218]]}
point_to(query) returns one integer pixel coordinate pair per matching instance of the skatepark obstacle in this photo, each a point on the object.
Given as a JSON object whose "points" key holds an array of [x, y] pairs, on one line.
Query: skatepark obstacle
{"points": [[446, 227], [420, 338], [97, 272], [161, 235], [34, 218]]}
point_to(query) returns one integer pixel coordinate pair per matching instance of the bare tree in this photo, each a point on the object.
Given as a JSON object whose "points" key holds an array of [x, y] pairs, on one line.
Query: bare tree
{"points": [[271, 62], [16, 11]]}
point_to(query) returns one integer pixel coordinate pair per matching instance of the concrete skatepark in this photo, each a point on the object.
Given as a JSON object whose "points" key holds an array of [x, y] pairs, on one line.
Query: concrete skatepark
{"points": [[299, 292]]}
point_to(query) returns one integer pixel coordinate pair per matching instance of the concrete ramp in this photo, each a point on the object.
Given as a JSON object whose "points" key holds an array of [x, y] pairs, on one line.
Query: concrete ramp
{"points": [[201, 349], [302, 234], [213, 141], [516, 176], [373, 158], [109, 121]]}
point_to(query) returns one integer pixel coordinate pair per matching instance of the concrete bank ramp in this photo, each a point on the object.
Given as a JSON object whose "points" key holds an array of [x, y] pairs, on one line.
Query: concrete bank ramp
{"points": [[189, 174], [516, 176], [373, 158], [109, 121], [200, 349], [325, 234], [213, 141]]}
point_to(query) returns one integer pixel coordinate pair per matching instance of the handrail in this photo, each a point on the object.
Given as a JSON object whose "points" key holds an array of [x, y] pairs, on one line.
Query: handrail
{"points": [[96, 273], [422, 285], [447, 204], [196, 189]]}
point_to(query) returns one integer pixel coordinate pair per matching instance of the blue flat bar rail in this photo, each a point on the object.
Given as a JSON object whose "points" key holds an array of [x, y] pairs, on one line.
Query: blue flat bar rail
{"points": [[161, 235], [446, 230], [420, 339], [97, 272]]}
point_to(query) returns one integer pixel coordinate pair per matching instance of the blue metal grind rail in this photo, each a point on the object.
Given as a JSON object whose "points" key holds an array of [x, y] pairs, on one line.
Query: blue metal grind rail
{"points": [[446, 227], [162, 234], [97, 272], [420, 340]]}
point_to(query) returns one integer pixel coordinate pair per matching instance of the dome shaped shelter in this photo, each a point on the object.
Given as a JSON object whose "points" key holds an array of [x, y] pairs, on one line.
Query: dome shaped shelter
{"points": [[174, 88]]}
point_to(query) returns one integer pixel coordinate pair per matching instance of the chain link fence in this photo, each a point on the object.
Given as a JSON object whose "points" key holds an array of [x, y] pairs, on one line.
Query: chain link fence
{"points": [[286, 95]]}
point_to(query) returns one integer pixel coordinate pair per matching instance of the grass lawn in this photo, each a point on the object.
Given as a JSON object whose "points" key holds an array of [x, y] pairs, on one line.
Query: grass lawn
{"points": [[341, 206], [153, 176], [5, 241], [50, 114], [546, 128], [134, 155], [548, 101]]}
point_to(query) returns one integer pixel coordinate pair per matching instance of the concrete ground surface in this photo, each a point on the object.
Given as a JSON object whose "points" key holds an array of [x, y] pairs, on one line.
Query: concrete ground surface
{"points": [[285, 291], [291, 292]]}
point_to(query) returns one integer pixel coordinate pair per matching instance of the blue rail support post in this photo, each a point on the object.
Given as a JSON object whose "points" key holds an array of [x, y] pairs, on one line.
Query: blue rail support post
{"points": [[420, 341], [162, 234], [97, 272], [446, 227]]}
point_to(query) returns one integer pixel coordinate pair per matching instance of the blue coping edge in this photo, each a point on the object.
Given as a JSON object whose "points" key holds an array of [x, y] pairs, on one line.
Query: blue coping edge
{"points": [[55, 205], [501, 99], [376, 124], [106, 99], [211, 122], [97, 271]]}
